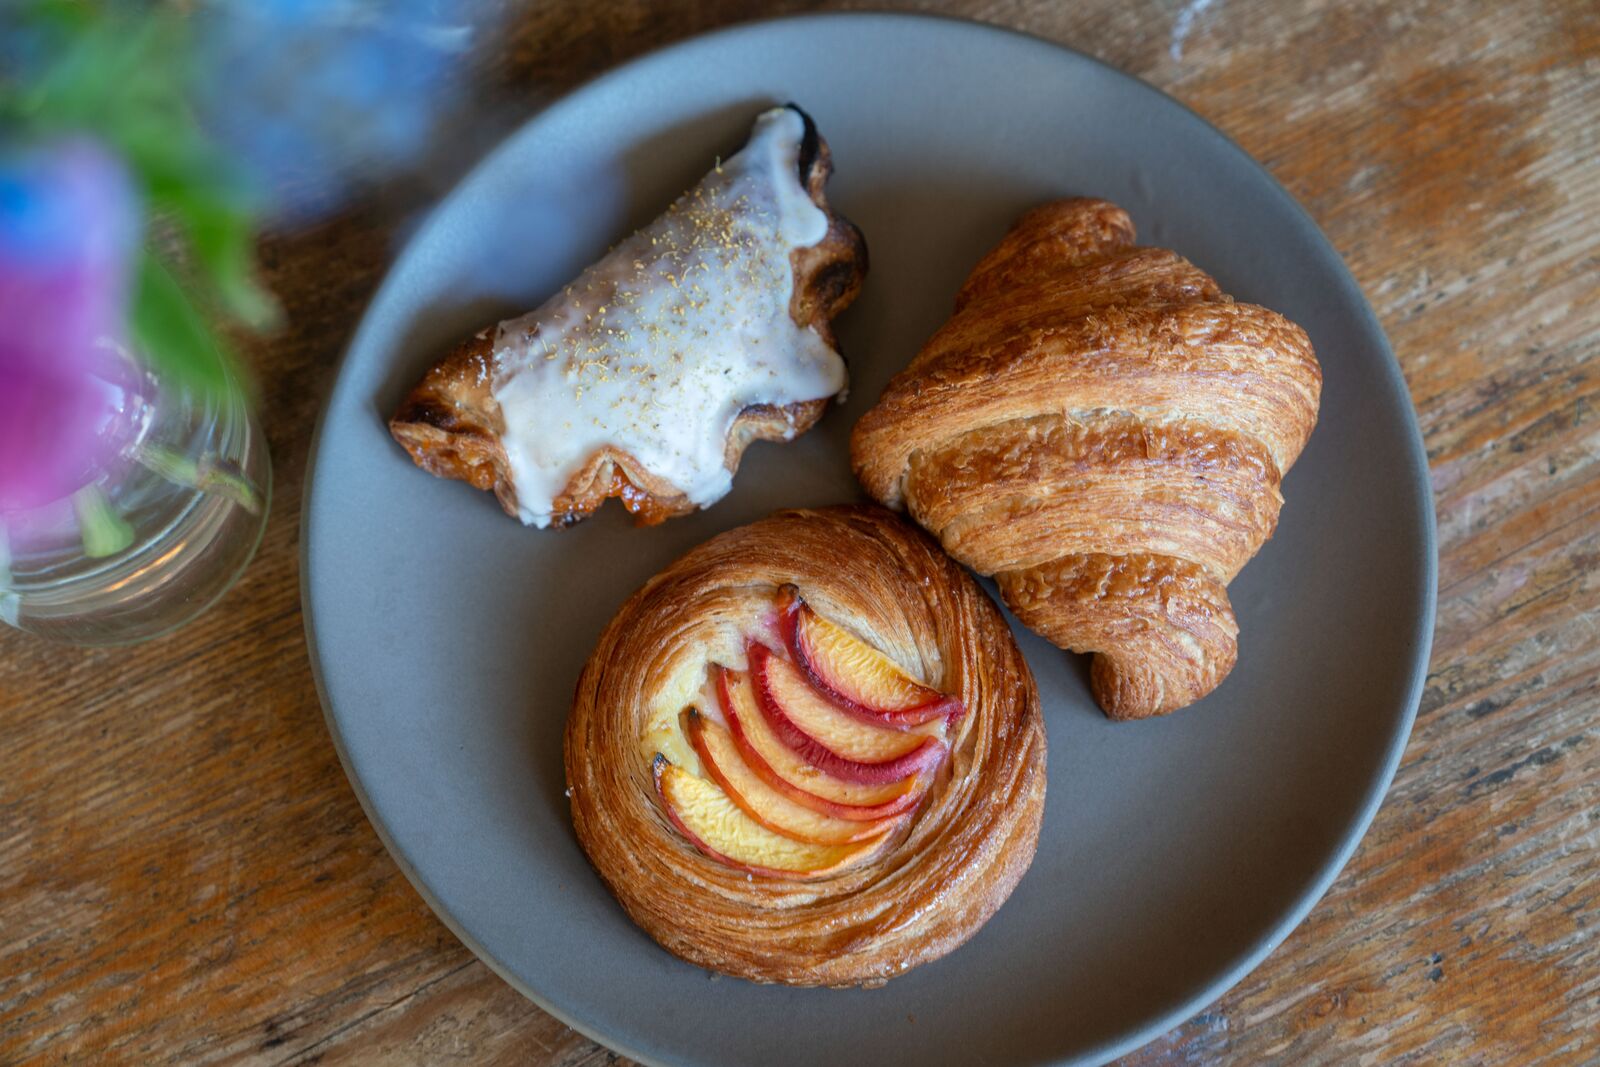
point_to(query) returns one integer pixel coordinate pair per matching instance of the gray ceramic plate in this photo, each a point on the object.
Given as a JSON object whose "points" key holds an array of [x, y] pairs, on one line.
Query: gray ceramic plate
{"points": [[1175, 854]]}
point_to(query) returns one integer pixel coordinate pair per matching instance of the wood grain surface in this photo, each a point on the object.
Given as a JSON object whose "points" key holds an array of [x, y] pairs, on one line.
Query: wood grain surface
{"points": [[186, 876]]}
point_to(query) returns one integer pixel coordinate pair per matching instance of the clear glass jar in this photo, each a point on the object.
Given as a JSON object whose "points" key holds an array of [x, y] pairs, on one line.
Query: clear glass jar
{"points": [[157, 537]]}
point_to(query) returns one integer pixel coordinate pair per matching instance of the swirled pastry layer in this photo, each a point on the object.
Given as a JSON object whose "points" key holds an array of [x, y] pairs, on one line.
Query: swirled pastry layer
{"points": [[809, 751]]}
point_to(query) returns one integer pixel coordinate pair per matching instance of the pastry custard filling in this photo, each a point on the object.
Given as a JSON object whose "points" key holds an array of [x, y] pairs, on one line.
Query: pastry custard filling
{"points": [[808, 758], [657, 348]]}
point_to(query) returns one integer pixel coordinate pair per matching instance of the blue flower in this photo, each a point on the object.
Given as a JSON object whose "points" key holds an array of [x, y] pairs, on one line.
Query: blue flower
{"points": [[314, 96]]}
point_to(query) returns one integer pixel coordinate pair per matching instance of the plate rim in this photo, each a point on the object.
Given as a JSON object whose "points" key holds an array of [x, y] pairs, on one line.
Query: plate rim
{"points": [[1415, 470]]}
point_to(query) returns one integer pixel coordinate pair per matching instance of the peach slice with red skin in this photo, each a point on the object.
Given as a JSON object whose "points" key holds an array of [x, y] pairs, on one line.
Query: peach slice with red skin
{"points": [[765, 754], [828, 738], [718, 827], [857, 677], [762, 802]]}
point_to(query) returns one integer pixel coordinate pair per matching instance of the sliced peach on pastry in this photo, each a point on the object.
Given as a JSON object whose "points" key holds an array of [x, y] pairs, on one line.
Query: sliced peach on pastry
{"points": [[792, 776], [854, 675], [766, 805], [717, 826], [832, 740]]}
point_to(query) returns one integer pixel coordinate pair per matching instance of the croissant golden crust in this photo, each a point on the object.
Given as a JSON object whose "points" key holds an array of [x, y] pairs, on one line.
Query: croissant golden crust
{"points": [[1105, 432], [1150, 361], [961, 854], [1207, 494]]}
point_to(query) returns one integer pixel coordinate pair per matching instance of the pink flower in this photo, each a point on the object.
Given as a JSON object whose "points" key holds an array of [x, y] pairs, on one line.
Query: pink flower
{"points": [[69, 224]]}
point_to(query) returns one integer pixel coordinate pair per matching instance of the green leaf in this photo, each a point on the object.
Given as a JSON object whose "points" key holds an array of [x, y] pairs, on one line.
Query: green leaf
{"points": [[171, 334], [222, 239]]}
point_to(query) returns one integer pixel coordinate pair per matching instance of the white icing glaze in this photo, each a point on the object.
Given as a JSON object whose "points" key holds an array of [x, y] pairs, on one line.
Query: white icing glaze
{"points": [[656, 348]]}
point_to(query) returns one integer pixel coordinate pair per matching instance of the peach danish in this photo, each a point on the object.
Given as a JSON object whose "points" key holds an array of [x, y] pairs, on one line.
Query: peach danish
{"points": [[1104, 431], [808, 752]]}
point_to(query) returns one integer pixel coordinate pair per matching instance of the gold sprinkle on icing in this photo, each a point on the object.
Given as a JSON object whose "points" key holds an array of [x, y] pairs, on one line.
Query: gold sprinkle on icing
{"points": [[688, 318]]}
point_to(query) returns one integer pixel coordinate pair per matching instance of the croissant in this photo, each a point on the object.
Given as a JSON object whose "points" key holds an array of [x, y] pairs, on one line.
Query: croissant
{"points": [[1104, 431], [648, 376], [808, 752]]}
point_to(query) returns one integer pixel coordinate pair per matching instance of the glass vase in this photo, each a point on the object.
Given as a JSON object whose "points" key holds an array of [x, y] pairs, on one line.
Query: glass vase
{"points": [[158, 535]]}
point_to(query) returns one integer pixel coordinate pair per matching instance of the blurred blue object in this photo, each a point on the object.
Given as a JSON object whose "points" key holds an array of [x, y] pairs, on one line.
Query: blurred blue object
{"points": [[69, 214], [317, 97]]}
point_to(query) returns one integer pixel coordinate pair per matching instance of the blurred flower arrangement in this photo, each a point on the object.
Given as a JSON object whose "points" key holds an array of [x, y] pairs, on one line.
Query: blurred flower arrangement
{"points": [[109, 194], [135, 143]]}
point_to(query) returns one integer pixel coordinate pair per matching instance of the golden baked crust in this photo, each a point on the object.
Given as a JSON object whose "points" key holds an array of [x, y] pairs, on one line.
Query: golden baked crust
{"points": [[452, 425], [1104, 431], [970, 841]]}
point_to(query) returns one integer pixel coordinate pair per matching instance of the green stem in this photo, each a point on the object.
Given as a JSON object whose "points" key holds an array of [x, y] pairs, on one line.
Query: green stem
{"points": [[207, 474], [104, 532]]}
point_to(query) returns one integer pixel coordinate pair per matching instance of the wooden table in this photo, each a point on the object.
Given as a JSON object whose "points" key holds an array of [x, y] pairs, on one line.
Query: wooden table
{"points": [[185, 874]]}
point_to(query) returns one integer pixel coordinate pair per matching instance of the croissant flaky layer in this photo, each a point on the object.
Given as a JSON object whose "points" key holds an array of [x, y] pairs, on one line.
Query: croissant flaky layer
{"points": [[938, 880], [1104, 431]]}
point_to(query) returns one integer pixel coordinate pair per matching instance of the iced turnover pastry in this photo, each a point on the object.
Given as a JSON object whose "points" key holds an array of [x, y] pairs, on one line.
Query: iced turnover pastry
{"points": [[648, 376], [809, 752]]}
